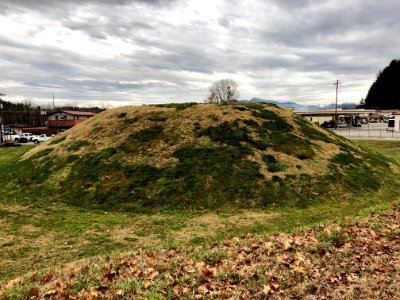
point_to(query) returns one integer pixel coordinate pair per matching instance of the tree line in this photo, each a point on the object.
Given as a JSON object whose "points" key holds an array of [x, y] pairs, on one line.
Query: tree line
{"points": [[384, 93], [28, 114]]}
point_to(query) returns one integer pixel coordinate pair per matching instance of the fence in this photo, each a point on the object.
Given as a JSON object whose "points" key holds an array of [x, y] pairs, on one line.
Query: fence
{"points": [[365, 133]]}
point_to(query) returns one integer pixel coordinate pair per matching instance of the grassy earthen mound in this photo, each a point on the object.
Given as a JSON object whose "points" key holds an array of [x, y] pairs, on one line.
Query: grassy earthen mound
{"points": [[200, 156]]}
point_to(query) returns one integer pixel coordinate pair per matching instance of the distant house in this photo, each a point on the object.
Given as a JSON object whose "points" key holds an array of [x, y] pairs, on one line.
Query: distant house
{"points": [[65, 119]]}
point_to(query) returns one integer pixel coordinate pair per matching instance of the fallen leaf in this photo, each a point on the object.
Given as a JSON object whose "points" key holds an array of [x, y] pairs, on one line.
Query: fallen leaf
{"points": [[46, 279], [147, 284], [298, 269], [153, 275], [287, 244], [50, 293], [275, 286], [267, 289], [268, 245], [202, 289], [206, 272], [12, 282], [33, 292]]}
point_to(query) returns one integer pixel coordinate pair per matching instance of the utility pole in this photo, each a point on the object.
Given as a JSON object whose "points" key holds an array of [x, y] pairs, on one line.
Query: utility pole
{"points": [[1, 120], [336, 115], [1, 125]]}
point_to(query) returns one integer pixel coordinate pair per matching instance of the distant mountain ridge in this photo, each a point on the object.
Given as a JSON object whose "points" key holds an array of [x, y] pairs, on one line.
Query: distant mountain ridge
{"points": [[300, 107]]}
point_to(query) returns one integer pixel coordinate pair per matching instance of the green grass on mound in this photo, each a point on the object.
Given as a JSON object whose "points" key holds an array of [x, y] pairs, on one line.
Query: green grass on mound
{"points": [[202, 178], [228, 171], [39, 230]]}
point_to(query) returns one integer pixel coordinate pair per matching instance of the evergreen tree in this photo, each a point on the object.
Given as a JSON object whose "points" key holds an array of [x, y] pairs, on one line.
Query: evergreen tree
{"points": [[385, 91]]}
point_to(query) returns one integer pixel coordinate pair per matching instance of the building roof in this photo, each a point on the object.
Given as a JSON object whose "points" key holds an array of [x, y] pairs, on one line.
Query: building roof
{"points": [[78, 113], [74, 113], [339, 112], [63, 123]]}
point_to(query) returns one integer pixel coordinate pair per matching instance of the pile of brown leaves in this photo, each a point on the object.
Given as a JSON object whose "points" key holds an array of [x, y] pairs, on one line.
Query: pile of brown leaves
{"points": [[348, 260]]}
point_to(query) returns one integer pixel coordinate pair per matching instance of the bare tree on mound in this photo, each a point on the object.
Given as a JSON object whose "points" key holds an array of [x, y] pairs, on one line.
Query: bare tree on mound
{"points": [[224, 90]]}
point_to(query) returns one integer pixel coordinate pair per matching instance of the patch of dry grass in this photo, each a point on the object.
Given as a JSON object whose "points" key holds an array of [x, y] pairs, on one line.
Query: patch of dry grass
{"points": [[347, 260], [34, 238]]}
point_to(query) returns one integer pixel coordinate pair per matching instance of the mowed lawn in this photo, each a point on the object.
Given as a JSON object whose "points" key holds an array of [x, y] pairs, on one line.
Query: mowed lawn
{"points": [[38, 232]]}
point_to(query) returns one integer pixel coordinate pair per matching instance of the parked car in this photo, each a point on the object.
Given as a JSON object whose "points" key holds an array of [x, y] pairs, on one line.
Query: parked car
{"points": [[342, 124], [11, 138], [40, 138], [328, 124], [26, 135]]}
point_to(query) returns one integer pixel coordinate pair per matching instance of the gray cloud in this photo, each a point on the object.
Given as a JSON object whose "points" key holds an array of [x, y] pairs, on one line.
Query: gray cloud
{"points": [[149, 51], [37, 4]]}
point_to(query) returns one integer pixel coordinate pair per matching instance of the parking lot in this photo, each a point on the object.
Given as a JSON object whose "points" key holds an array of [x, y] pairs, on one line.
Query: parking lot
{"points": [[371, 131]]}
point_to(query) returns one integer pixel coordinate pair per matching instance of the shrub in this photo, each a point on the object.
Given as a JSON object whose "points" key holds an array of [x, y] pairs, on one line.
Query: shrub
{"points": [[141, 138], [336, 238], [250, 123], [41, 153], [241, 108], [157, 117], [346, 159], [227, 133], [269, 159], [55, 141], [77, 145], [310, 132], [272, 164], [106, 153], [177, 106]]}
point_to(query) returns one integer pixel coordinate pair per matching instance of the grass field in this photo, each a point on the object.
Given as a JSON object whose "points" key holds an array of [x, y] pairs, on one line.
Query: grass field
{"points": [[388, 148], [37, 233]]}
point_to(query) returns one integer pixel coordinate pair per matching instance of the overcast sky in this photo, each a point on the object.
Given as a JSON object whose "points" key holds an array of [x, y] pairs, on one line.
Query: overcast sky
{"points": [[127, 52]]}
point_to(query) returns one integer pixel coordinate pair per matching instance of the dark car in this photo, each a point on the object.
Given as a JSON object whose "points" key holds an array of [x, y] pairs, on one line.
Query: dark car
{"points": [[328, 124]]}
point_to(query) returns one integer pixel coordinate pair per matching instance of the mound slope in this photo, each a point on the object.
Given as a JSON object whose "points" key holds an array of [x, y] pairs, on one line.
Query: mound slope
{"points": [[200, 156]]}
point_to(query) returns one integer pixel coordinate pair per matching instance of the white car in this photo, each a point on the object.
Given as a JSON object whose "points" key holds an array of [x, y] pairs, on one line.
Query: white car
{"points": [[10, 137], [40, 138], [29, 136]]}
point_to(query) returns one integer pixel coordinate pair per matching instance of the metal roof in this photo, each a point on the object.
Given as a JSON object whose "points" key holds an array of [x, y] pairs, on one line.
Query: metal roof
{"points": [[78, 113], [75, 113], [339, 111]]}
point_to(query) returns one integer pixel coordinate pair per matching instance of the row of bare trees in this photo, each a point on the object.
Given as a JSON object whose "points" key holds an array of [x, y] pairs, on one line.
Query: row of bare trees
{"points": [[26, 113]]}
